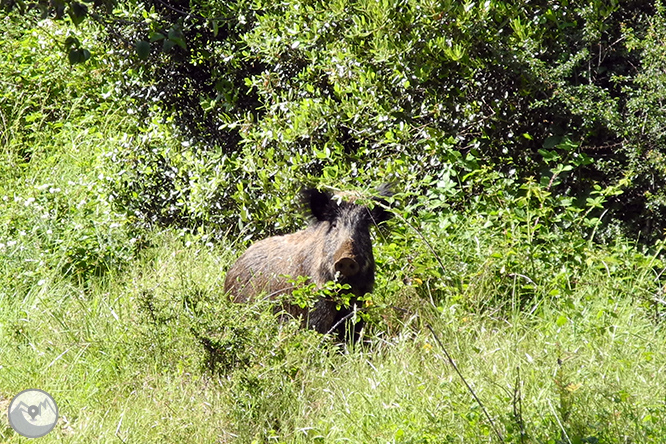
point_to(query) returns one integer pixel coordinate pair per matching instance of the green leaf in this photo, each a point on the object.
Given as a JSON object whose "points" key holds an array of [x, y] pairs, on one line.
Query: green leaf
{"points": [[73, 56], [77, 12], [581, 159], [180, 42], [552, 142], [71, 41], [142, 49], [549, 156], [78, 55], [176, 36], [561, 169], [168, 44], [156, 36]]}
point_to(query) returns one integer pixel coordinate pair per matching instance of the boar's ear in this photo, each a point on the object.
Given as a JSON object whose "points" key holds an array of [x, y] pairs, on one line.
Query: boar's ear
{"points": [[319, 204], [386, 189], [380, 213]]}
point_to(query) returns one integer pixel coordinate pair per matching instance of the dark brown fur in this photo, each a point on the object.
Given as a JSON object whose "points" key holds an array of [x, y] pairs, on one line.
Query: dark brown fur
{"points": [[335, 247]]}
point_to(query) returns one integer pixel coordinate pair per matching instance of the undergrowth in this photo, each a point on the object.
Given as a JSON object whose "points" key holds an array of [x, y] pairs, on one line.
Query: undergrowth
{"points": [[556, 331]]}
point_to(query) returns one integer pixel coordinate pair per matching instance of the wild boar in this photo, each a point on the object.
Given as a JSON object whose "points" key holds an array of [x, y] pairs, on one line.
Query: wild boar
{"points": [[335, 247]]}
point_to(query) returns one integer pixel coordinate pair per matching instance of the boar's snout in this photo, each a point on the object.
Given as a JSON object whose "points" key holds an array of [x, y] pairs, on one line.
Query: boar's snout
{"points": [[347, 266], [345, 260]]}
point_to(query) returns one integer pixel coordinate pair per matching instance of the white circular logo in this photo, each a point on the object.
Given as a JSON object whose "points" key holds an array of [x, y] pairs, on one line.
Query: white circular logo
{"points": [[33, 413]]}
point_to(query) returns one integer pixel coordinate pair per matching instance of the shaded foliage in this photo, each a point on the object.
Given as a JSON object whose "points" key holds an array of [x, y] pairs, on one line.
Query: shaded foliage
{"points": [[190, 66], [348, 91]]}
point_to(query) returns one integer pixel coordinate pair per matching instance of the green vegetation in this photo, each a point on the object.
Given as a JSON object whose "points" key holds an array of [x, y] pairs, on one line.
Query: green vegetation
{"points": [[525, 144]]}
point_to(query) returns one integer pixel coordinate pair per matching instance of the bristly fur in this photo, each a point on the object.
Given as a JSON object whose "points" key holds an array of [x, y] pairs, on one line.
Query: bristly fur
{"points": [[317, 203]]}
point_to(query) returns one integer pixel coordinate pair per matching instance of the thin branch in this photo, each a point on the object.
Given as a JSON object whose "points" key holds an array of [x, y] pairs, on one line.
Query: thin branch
{"points": [[471, 390]]}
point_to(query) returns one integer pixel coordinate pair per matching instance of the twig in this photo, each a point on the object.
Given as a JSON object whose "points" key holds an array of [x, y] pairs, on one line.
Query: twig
{"points": [[425, 241], [471, 390], [564, 432]]}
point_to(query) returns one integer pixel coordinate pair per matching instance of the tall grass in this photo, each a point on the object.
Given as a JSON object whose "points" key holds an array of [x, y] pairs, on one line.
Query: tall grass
{"points": [[123, 357], [591, 369]]}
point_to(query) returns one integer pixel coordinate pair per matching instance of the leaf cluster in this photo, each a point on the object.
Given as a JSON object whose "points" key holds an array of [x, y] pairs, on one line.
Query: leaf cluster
{"points": [[345, 92]]}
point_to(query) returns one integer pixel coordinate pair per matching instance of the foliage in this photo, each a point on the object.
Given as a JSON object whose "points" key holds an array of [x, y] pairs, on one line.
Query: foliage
{"points": [[343, 91], [56, 217], [553, 316], [339, 92]]}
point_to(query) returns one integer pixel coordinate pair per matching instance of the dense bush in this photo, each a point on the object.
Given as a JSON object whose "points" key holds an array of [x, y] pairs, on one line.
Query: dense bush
{"points": [[362, 91], [350, 93]]}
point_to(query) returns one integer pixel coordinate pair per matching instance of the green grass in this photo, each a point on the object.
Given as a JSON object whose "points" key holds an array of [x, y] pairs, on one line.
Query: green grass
{"points": [[591, 368], [118, 373], [559, 338]]}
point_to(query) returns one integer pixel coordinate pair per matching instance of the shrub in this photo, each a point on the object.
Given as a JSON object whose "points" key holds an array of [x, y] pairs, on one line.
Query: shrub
{"points": [[348, 92]]}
